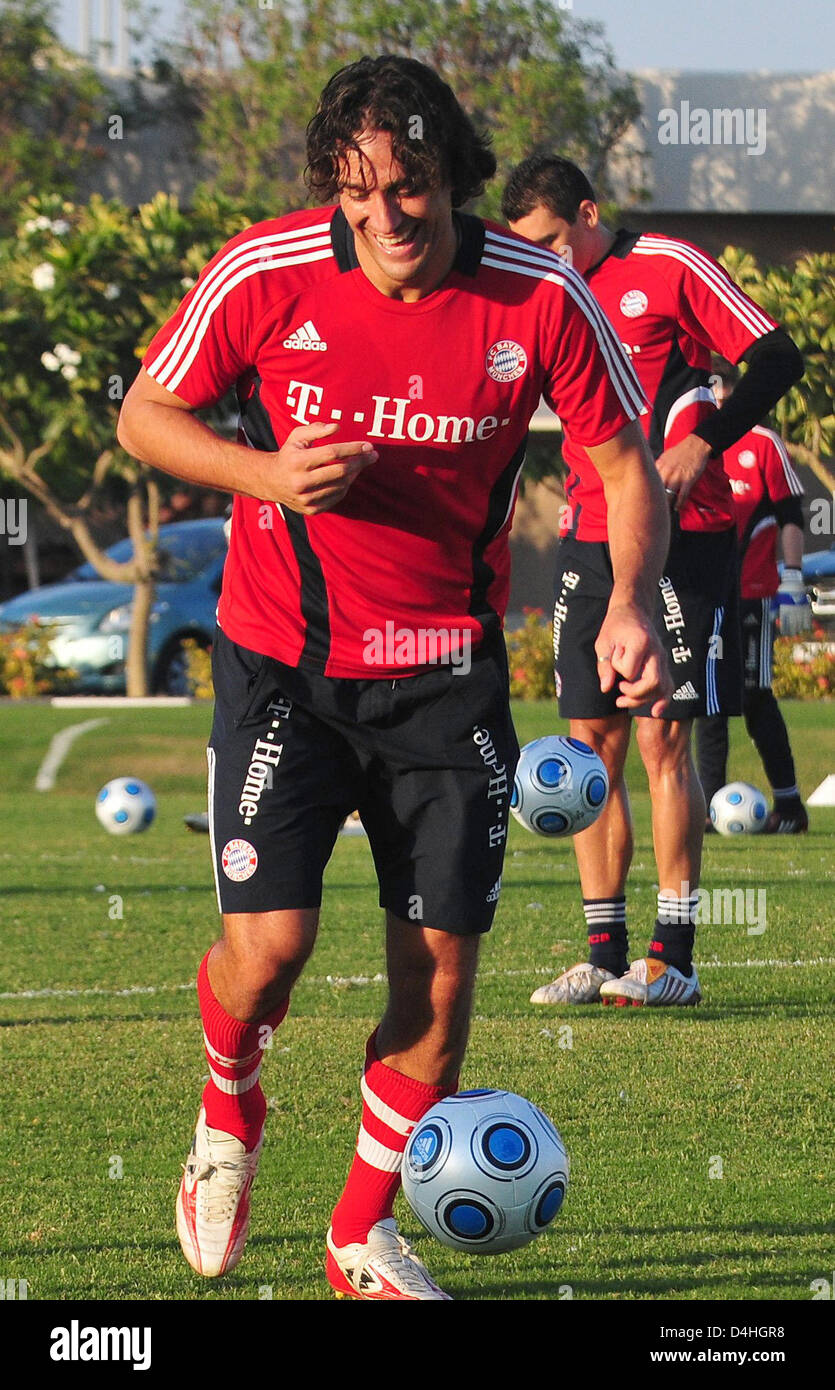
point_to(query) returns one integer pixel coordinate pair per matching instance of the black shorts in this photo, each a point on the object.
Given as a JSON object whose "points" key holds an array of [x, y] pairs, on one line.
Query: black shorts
{"points": [[428, 762], [697, 619], [757, 643]]}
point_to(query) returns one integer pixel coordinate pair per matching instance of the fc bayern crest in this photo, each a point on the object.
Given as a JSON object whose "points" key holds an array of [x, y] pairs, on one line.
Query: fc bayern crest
{"points": [[633, 304], [747, 458], [506, 360], [239, 860]]}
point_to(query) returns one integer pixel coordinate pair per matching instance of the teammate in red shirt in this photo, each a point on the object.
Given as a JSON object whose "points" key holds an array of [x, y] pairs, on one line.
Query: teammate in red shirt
{"points": [[387, 353], [767, 499], [671, 305]]}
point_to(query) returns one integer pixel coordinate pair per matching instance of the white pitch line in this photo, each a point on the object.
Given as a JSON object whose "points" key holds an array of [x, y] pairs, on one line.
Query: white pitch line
{"points": [[108, 993], [58, 749], [336, 980], [762, 964], [120, 701]]}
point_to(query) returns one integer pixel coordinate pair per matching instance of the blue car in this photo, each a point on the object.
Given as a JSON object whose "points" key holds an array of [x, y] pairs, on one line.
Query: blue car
{"points": [[91, 616]]}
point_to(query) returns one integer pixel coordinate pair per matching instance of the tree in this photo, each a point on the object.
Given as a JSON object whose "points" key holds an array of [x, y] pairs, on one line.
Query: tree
{"points": [[524, 69], [51, 107], [82, 289], [802, 300]]}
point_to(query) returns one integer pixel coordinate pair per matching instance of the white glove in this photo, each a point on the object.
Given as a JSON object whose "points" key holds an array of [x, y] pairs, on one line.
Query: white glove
{"points": [[794, 613]]}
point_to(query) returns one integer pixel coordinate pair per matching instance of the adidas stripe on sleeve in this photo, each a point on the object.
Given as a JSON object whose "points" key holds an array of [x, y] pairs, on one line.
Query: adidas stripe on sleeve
{"points": [[780, 477], [589, 380], [207, 344], [711, 308]]}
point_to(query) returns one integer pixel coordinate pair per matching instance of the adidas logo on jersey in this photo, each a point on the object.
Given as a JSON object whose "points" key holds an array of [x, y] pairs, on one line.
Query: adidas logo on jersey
{"points": [[493, 895], [686, 692], [306, 338]]}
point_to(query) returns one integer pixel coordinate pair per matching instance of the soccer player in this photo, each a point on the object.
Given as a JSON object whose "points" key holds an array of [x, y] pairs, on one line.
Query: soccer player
{"points": [[766, 492], [670, 304], [387, 352]]}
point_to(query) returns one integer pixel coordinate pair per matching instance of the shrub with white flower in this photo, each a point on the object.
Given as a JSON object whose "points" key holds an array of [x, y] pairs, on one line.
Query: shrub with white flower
{"points": [[66, 354], [63, 359], [43, 276], [82, 290]]}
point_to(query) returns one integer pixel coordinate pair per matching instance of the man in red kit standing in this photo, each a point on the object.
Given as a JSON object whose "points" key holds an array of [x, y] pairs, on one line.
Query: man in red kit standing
{"points": [[767, 497], [670, 304], [387, 352]]}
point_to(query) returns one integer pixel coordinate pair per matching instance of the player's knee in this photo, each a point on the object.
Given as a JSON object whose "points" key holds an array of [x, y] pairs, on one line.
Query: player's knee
{"points": [[267, 965], [608, 739], [664, 746]]}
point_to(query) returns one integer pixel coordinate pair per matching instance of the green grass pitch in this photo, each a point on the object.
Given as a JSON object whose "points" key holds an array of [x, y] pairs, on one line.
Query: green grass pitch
{"points": [[700, 1139]]}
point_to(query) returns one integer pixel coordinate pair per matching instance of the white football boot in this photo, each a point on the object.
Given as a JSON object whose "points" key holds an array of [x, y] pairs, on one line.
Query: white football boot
{"points": [[214, 1197], [579, 985], [383, 1267], [650, 981]]}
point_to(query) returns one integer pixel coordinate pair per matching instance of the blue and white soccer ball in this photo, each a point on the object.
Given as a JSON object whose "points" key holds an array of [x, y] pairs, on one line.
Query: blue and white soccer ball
{"points": [[560, 787], [485, 1171], [125, 806], [739, 809]]}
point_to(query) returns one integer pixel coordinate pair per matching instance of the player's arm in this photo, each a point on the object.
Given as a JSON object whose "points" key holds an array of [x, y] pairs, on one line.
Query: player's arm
{"points": [[791, 541], [718, 314], [793, 609], [627, 645], [774, 364], [786, 492], [309, 473]]}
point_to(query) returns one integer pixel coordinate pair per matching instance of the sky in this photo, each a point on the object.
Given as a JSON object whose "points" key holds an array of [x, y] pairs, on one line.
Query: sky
{"points": [[706, 35], [717, 35]]}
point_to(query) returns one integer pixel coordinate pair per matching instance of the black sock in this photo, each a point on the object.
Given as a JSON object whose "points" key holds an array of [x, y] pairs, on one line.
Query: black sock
{"points": [[675, 931], [787, 799], [606, 927]]}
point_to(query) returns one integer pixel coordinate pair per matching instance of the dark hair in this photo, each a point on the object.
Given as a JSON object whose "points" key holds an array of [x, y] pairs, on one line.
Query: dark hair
{"points": [[433, 138], [548, 179], [725, 370]]}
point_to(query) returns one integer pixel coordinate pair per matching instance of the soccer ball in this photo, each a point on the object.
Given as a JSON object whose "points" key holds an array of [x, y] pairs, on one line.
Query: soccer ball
{"points": [[738, 809], [560, 787], [126, 805], [485, 1171]]}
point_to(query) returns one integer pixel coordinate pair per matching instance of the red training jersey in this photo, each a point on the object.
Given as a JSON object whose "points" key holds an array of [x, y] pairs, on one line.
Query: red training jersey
{"points": [[413, 564], [671, 305], [760, 473]]}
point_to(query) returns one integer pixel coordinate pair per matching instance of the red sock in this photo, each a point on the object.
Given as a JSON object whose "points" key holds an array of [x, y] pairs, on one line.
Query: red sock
{"points": [[233, 1098], [392, 1104]]}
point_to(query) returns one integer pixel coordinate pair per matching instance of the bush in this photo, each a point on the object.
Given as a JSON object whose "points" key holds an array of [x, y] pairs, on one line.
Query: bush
{"points": [[530, 657], [812, 678], [24, 663], [199, 670]]}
